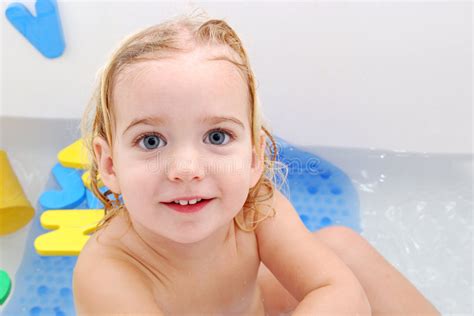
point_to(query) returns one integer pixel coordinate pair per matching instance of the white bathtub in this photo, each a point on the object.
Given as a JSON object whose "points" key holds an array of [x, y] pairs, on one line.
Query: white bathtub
{"points": [[416, 209]]}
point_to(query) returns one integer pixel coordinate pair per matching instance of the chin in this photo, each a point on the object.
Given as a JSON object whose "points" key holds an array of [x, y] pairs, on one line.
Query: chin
{"points": [[191, 236]]}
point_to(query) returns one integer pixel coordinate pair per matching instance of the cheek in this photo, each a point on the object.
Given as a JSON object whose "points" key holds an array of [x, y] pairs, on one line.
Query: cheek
{"points": [[136, 185], [236, 165], [132, 170], [235, 178]]}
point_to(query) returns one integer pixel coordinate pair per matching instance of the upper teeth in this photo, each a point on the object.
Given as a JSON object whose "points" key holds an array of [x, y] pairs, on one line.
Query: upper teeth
{"points": [[184, 202]]}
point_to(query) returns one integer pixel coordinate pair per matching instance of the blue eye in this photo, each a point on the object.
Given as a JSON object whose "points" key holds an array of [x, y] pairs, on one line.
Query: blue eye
{"points": [[149, 141], [217, 136]]}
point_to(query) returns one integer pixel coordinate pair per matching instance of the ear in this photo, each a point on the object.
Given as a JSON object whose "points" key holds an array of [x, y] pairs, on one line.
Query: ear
{"points": [[257, 166], [103, 155]]}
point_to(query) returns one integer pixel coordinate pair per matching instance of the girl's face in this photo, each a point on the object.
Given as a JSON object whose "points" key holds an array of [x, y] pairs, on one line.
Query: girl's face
{"points": [[182, 129]]}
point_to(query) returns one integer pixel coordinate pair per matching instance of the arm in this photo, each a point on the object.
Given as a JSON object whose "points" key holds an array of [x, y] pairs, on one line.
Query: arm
{"points": [[108, 287], [309, 269]]}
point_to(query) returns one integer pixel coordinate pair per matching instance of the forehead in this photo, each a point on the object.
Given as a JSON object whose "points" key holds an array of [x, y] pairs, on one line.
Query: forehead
{"points": [[181, 85]]}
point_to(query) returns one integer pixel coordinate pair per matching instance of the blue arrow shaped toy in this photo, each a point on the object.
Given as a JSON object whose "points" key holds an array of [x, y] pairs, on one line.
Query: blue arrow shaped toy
{"points": [[43, 30]]}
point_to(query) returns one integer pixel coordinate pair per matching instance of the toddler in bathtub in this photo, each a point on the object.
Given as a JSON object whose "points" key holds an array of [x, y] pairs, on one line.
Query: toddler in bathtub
{"points": [[194, 223]]}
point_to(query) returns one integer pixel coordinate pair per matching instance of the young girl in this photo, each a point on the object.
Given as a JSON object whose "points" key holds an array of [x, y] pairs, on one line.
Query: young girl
{"points": [[194, 223]]}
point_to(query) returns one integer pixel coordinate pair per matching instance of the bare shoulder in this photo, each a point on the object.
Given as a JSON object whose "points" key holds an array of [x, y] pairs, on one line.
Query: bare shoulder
{"points": [[285, 223], [104, 283], [284, 237]]}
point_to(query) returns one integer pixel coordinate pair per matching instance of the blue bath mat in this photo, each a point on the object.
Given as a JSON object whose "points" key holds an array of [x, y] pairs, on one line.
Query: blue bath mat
{"points": [[321, 193]]}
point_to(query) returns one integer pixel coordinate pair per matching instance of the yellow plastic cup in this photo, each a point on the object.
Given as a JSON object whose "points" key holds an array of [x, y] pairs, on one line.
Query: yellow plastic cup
{"points": [[15, 209]]}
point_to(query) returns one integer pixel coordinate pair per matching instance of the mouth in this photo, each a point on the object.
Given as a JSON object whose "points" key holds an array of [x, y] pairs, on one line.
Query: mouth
{"points": [[189, 208]]}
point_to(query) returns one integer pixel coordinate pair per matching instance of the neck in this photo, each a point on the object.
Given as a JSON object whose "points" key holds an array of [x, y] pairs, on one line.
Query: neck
{"points": [[184, 257]]}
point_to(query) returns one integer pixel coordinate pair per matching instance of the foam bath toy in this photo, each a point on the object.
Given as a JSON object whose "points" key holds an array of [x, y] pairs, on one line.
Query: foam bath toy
{"points": [[70, 229], [321, 193], [15, 209], [5, 286], [74, 156], [71, 193], [87, 180], [44, 30]]}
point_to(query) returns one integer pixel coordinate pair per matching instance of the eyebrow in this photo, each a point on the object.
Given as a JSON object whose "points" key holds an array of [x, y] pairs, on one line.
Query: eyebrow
{"points": [[151, 120]]}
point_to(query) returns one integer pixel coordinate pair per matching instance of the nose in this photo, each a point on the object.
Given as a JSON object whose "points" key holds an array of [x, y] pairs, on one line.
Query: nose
{"points": [[186, 168]]}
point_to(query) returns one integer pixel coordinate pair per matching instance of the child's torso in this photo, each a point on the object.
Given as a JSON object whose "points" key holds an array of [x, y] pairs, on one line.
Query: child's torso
{"points": [[228, 286]]}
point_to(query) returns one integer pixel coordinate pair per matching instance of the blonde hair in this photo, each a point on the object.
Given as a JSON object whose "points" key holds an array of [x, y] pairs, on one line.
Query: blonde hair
{"points": [[148, 44]]}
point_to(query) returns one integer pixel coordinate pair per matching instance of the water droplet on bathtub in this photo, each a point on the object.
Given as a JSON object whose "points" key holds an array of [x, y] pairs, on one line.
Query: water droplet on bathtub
{"points": [[382, 178]]}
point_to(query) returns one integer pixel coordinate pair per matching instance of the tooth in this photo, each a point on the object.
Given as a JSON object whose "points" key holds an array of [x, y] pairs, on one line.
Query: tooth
{"points": [[192, 201], [183, 202], [199, 199]]}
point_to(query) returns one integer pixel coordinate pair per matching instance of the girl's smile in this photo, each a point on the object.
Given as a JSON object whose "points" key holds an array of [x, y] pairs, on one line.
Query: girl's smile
{"points": [[189, 208]]}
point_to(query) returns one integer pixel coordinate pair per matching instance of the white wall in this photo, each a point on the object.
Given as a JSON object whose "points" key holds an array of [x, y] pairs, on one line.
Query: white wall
{"points": [[394, 75]]}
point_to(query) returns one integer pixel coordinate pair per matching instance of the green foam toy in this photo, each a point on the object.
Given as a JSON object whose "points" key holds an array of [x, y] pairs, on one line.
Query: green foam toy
{"points": [[5, 286]]}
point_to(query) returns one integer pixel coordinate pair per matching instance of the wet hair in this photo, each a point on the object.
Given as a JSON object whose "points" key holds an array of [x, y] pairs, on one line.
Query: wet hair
{"points": [[180, 34]]}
